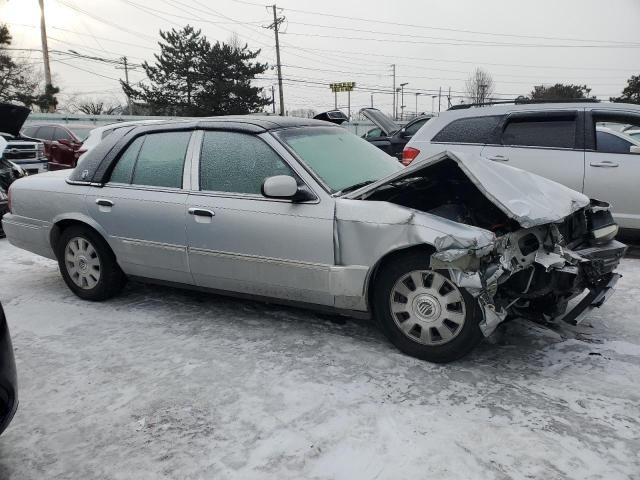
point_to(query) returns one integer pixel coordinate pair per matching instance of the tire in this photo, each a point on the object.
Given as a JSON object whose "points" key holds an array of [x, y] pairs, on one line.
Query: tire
{"points": [[435, 321], [87, 264]]}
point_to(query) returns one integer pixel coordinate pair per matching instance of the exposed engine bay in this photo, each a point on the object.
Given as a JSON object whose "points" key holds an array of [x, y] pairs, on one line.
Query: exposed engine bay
{"points": [[526, 272]]}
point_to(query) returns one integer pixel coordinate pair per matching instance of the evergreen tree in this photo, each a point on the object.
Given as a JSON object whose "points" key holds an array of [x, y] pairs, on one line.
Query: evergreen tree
{"points": [[631, 93], [192, 77]]}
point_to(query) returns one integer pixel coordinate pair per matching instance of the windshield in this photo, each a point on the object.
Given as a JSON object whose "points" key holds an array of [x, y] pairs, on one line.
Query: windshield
{"points": [[340, 158]]}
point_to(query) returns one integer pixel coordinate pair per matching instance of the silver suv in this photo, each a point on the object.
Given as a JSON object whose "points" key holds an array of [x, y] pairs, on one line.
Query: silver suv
{"points": [[581, 145]]}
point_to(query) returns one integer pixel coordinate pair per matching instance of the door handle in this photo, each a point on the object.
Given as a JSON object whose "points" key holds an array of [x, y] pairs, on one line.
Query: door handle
{"points": [[499, 158], [604, 164], [201, 212], [101, 202]]}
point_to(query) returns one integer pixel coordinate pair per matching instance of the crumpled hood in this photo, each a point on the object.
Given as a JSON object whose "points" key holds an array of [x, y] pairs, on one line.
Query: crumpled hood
{"points": [[529, 199], [12, 117]]}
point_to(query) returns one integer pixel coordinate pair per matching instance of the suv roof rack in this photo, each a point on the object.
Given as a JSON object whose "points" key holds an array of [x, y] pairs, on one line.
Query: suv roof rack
{"points": [[524, 100]]}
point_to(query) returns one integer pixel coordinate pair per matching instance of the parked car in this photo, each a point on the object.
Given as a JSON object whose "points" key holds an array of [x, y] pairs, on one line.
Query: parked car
{"points": [[8, 376], [303, 211], [62, 143], [388, 136], [26, 152], [100, 133], [558, 141]]}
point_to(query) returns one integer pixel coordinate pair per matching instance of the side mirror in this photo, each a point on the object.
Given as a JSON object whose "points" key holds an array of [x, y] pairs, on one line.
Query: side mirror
{"points": [[280, 186], [635, 149]]}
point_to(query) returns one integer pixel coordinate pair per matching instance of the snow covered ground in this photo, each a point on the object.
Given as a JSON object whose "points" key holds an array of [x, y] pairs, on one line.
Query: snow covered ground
{"points": [[164, 383]]}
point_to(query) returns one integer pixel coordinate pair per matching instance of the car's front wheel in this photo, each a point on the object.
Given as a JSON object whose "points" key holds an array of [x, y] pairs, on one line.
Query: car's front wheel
{"points": [[422, 312], [88, 265]]}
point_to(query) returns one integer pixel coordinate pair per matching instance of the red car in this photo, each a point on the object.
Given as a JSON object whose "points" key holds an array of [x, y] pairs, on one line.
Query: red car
{"points": [[62, 143]]}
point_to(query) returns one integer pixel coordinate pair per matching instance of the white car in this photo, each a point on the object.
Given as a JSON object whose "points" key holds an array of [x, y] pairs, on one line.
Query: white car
{"points": [[565, 142], [100, 133], [633, 133]]}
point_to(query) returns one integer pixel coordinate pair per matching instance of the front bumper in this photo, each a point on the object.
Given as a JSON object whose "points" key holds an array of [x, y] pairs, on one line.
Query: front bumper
{"points": [[594, 299]]}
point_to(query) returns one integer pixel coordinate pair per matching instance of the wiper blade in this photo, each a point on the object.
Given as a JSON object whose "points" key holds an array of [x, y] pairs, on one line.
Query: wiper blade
{"points": [[353, 187]]}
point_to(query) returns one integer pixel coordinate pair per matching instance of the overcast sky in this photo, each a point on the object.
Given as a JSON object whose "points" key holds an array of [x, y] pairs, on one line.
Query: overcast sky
{"points": [[434, 44]]}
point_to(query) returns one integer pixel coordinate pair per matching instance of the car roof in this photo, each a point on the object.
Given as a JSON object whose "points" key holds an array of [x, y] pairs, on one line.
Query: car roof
{"points": [[539, 107]]}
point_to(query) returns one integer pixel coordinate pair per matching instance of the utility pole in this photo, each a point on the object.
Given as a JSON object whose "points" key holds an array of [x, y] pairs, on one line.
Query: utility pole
{"points": [[417, 93], [372, 100], [349, 104], [439, 97], [335, 100], [126, 79], [45, 50], [395, 112], [449, 98], [276, 27]]}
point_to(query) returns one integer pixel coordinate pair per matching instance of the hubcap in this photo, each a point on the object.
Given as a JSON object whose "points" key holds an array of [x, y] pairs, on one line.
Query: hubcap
{"points": [[82, 262], [427, 307]]}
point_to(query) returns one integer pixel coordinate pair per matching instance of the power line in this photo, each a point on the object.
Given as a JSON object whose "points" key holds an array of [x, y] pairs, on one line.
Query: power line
{"points": [[443, 29], [461, 43]]}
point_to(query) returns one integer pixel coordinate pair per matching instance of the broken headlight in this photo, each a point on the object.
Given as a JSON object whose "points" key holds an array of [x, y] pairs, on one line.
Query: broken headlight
{"points": [[603, 227]]}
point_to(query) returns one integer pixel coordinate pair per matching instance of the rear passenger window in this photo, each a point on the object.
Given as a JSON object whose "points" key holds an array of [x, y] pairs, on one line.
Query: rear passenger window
{"points": [[469, 130], [237, 162], [46, 133], [553, 132], [155, 160], [62, 134]]}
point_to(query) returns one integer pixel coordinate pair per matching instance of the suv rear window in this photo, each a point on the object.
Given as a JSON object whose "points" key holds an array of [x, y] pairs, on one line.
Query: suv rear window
{"points": [[469, 130], [552, 132]]}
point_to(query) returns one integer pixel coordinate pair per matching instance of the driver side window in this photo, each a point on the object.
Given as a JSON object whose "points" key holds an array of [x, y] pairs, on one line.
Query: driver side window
{"points": [[237, 163]]}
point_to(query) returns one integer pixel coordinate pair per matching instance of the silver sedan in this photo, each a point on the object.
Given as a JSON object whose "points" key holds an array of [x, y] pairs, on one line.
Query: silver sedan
{"points": [[301, 211]]}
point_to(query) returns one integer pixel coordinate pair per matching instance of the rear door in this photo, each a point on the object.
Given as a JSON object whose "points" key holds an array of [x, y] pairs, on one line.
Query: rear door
{"points": [[549, 143], [143, 207], [612, 170]]}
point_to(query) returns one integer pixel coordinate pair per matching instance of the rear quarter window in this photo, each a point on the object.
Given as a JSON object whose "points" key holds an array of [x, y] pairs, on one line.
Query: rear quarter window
{"points": [[469, 130]]}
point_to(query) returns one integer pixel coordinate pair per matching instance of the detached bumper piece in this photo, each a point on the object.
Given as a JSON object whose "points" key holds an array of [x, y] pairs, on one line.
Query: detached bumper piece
{"points": [[594, 299]]}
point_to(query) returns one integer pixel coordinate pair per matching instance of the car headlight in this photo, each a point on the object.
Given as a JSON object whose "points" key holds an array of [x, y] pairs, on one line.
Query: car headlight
{"points": [[605, 234]]}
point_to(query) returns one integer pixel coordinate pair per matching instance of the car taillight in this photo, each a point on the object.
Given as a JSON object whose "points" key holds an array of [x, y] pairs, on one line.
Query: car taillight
{"points": [[409, 154]]}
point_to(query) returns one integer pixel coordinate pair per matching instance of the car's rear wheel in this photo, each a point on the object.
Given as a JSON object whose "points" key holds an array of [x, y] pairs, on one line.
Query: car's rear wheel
{"points": [[423, 312], [88, 265]]}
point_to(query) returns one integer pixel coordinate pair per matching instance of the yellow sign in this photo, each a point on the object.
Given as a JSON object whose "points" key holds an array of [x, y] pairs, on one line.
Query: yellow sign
{"points": [[342, 87]]}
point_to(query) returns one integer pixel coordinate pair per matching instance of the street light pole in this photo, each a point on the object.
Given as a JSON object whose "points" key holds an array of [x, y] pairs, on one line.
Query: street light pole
{"points": [[395, 103], [402, 105], [417, 93]]}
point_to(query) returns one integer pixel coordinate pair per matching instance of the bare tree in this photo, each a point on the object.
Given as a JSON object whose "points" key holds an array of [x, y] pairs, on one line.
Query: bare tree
{"points": [[94, 107], [234, 42], [479, 86]]}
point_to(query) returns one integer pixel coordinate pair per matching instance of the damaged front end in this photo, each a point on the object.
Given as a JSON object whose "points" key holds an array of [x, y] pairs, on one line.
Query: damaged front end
{"points": [[535, 272], [549, 244]]}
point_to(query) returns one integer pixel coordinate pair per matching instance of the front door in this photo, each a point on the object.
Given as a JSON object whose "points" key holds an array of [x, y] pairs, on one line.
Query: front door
{"points": [[142, 208], [612, 167], [240, 240], [549, 144]]}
